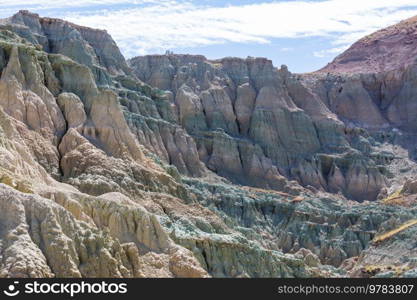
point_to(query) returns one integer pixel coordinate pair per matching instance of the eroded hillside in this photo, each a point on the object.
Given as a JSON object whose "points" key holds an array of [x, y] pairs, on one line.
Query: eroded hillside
{"points": [[176, 166]]}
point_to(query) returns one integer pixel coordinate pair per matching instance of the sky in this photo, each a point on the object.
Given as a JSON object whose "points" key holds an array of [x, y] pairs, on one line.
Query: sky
{"points": [[302, 34]]}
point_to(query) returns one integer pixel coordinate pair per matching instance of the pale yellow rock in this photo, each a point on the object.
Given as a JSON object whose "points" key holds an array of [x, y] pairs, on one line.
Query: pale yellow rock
{"points": [[111, 126], [59, 244], [73, 109]]}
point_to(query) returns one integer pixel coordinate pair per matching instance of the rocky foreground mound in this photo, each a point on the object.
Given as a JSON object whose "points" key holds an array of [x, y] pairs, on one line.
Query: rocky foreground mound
{"points": [[177, 166]]}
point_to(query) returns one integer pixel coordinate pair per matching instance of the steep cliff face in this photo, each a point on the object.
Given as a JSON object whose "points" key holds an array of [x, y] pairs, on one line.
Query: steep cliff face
{"points": [[80, 195], [91, 47], [109, 172], [256, 124], [379, 71]]}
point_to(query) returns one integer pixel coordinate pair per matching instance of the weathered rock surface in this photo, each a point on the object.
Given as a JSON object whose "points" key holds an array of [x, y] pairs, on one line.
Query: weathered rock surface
{"points": [[255, 124], [102, 175], [388, 49]]}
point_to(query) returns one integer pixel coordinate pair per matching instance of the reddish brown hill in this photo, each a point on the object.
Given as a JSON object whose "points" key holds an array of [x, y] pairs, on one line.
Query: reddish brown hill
{"points": [[387, 49]]}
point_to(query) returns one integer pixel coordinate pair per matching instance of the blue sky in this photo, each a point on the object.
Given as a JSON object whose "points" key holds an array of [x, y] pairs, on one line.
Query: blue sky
{"points": [[303, 34]]}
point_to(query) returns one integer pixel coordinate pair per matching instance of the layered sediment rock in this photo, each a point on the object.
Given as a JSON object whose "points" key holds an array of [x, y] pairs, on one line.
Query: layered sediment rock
{"points": [[255, 124], [102, 175], [81, 197]]}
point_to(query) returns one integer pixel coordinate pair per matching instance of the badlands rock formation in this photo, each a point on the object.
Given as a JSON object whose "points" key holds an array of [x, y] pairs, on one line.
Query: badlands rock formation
{"points": [[178, 166], [255, 124]]}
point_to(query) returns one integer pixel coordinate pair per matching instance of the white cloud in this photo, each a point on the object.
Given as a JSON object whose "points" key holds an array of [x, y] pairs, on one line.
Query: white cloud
{"points": [[330, 52], [48, 4], [154, 26]]}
